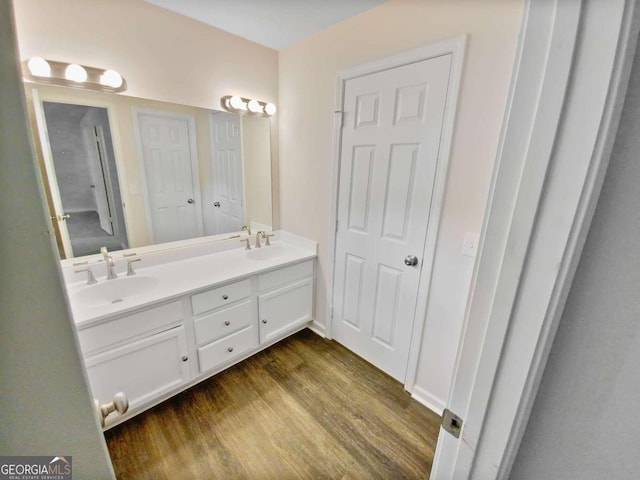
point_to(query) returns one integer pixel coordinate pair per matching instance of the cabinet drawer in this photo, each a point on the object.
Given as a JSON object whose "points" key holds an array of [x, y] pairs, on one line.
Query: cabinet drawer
{"points": [[220, 296], [224, 322], [284, 275], [116, 331], [227, 348]]}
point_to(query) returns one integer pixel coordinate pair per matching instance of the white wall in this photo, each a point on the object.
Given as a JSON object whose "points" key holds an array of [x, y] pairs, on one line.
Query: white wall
{"points": [[308, 73], [46, 406], [585, 420]]}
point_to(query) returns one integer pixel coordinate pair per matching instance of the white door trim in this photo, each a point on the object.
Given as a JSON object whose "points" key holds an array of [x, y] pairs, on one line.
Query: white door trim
{"points": [[570, 76], [195, 170], [454, 47]]}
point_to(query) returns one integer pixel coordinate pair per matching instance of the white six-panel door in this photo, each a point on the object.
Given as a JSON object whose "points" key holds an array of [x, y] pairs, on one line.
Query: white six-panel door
{"points": [[226, 170], [390, 140], [170, 179]]}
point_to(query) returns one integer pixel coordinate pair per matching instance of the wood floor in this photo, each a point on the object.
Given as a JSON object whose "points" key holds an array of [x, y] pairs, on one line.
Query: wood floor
{"points": [[306, 408]]}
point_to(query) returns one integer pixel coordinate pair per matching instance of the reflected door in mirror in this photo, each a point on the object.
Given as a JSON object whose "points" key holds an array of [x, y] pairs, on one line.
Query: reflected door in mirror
{"points": [[169, 166], [227, 175]]}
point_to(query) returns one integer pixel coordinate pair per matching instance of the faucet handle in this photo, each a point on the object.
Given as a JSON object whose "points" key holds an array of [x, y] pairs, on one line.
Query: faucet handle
{"points": [[267, 236], [130, 270], [91, 279]]}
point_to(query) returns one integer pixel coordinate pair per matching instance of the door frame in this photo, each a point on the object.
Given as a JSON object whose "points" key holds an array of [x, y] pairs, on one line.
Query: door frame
{"points": [[569, 80], [455, 47], [195, 169], [62, 96]]}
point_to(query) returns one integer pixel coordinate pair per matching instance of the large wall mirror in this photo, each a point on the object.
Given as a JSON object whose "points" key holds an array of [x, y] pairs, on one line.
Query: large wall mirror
{"points": [[126, 172]]}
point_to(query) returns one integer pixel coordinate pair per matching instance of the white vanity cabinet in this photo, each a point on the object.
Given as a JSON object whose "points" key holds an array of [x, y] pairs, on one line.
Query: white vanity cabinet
{"points": [[143, 355], [162, 348], [285, 300], [225, 323]]}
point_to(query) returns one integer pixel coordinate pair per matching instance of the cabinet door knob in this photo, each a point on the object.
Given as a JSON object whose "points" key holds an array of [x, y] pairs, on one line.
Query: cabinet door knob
{"points": [[225, 297], [230, 349], [185, 358], [264, 320], [227, 323]]}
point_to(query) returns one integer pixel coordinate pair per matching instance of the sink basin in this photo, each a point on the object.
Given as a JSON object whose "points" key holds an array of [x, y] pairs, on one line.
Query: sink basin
{"points": [[267, 253], [113, 291]]}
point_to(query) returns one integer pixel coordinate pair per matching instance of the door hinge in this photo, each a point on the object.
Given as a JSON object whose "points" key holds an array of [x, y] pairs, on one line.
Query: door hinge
{"points": [[451, 423], [336, 226], [331, 313]]}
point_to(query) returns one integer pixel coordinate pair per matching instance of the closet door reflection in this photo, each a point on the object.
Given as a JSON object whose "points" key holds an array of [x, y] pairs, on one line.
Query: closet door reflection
{"points": [[82, 177]]}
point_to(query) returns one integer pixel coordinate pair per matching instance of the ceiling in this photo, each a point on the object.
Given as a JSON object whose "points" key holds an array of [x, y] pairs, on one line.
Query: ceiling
{"points": [[272, 23]]}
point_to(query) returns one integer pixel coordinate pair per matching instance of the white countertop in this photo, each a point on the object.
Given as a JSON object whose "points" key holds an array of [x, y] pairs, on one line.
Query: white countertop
{"points": [[174, 279]]}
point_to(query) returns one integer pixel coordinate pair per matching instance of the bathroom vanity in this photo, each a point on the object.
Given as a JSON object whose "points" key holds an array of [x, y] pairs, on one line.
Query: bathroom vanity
{"points": [[187, 313]]}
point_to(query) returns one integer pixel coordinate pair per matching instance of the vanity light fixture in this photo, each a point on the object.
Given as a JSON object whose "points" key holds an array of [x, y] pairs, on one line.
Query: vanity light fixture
{"points": [[254, 106], [39, 67], [39, 70], [75, 73], [270, 109], [247, 106]]}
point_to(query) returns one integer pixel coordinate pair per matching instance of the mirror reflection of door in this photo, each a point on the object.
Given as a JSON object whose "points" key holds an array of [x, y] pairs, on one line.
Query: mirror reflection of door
{"points": [[169, 164], [227, 174], [83, 177]]}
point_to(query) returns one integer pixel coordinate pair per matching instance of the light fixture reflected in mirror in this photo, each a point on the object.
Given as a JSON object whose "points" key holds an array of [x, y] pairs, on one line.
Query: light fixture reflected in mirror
{"points": [[39, 70], [236, 104]]}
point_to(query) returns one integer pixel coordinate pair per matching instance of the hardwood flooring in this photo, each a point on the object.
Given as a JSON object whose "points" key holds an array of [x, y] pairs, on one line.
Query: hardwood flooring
{"points": [[306, 408]]}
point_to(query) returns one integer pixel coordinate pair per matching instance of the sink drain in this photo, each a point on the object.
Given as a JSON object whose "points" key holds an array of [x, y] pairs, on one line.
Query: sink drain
{"points": [[117, 300]]}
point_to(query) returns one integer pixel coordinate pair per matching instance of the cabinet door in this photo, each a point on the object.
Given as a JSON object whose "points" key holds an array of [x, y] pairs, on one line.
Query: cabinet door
{"points": [[143, 370], [285, 308]]}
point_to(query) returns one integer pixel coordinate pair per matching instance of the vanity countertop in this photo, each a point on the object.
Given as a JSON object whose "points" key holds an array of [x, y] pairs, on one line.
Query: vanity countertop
{"points": [[163, 282]]}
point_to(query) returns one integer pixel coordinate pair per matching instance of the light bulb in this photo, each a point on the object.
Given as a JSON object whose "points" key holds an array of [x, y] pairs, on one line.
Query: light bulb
{"points": [[254, 106], [111, 78], [75, 73], [270, 109], [237, 103], [39, 67]]}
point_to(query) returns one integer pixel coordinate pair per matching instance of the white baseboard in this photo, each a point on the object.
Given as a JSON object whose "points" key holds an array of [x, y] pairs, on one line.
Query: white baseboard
{"points": [[318, 329], [425, 398]]}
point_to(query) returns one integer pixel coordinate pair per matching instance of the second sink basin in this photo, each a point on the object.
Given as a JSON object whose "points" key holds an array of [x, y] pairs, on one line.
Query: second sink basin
{"points": [[113, 291], [267, 253]]}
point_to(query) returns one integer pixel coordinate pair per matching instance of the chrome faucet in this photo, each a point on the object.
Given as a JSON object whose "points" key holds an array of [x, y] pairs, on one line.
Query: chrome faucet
{"points": [[244, 227], [111, 264]]}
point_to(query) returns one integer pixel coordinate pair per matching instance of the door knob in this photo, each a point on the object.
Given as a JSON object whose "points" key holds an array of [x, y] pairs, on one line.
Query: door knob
{"points": [[411, 260], [190, 200], [216, 204], [64, 217]]}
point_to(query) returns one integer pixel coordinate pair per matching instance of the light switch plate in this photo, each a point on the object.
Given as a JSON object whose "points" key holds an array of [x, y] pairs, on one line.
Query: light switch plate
{"points": [[470, 244]]}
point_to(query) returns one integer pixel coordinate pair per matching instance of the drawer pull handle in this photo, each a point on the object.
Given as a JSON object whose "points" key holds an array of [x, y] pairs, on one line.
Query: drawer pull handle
{"points": [[185, 358], [227, 323], [225, 297], [264, 320], [230, 349]]}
